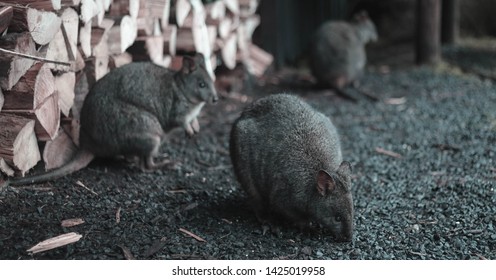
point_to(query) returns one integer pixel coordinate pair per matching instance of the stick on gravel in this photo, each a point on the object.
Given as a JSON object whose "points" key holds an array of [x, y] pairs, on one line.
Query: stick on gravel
{"points": [[55, 242]]}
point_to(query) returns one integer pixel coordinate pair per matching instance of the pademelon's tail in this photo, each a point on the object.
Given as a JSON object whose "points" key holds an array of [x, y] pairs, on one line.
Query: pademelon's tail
{"points": [[80, 160]]}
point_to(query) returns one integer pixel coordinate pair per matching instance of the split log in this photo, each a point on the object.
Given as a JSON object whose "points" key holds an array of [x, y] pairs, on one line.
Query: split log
{"points": [[31, 90], [85, 39], [247, 7], [41, 25], [228, 51], [59, 151], [64, 84], [250, 24], [201, 35], [170, 39], [98, 18], [225, 27], [89, 9], [181, 11], [125, 7], [47, 118], [13, 67], [259, 60], [184, 40], [6, 14], [116, 61], [155, 48], [160, 9], [63, 47], [216, 11], [101, 57], [18, 145], [232, 6], [122, 35], [79, 64]]}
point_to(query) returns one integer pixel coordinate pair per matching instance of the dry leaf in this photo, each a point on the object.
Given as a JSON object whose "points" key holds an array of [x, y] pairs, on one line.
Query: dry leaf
{"points": [[72, 222]]}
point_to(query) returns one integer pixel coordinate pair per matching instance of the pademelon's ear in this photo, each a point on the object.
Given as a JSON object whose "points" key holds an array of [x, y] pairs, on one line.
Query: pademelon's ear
{"points": [[189, 64], [199, 59], [345, 168], [361, 16], [325, 183]]}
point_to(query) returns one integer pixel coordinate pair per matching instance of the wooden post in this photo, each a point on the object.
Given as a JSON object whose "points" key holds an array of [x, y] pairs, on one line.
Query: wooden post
{"points": [[450, 21], [428, 49]]}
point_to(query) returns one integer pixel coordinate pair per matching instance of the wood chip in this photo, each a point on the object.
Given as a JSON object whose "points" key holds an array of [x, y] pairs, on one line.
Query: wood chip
{"points": [[387, 153], [192, 235], [72, 222], [118, 215], [55, 242], [395, 101], [79, 183]]}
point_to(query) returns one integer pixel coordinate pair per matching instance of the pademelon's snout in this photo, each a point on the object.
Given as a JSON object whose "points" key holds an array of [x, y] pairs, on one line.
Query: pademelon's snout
{"points": [[214, 97]]}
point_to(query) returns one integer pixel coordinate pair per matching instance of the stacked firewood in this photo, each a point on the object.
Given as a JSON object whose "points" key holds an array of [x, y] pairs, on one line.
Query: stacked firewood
{"points": [[52, 51]]}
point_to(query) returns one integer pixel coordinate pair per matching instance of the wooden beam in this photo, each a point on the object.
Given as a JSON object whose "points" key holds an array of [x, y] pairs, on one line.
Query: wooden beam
{"points": [[450, 21], [428, 43]]}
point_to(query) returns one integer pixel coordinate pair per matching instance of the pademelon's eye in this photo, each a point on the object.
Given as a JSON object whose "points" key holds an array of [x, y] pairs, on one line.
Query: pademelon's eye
{"points": [[201, 84], [338, 218]]}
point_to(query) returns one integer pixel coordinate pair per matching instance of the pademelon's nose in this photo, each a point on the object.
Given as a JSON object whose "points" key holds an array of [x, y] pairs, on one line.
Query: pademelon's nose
{"points": [[215, 98]]}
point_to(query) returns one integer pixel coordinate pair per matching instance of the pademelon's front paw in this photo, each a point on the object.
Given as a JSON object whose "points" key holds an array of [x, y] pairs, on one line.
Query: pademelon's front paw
{"points": [[195, 125], [192, 127]]}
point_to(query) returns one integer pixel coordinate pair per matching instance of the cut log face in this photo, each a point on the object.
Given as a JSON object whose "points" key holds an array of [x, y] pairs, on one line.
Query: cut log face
{"points": [[47, 118], [31, 90], [89, 9], [59, 151], [43, 25], [85, 39], [63, 47], [228, 51], [65, 83], [18, 145], [182, 9], [122, 35], [13, 67]]}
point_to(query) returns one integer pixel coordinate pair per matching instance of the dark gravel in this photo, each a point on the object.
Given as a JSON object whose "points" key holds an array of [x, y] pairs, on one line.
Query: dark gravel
{"points": [[436, 201]]}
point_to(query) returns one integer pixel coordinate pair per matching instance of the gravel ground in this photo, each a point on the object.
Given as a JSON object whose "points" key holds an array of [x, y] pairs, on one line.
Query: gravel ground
{"points": [[434, 197]]}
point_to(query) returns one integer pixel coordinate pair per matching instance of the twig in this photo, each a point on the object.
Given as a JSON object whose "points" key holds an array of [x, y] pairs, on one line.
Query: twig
{"points": [[118, 215], [79, 183], [35, 57], [192, 235], [387, 153], [418, 253], [72, 222], [127, 253], [55, 242], [481, 257]]}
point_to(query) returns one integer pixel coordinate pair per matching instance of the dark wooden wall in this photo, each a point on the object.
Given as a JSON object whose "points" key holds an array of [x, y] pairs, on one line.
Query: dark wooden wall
{"points": [[287, 25]]}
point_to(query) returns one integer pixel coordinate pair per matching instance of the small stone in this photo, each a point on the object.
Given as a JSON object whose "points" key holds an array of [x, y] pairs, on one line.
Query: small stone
{"points": [[306, 250], [319, 253]]}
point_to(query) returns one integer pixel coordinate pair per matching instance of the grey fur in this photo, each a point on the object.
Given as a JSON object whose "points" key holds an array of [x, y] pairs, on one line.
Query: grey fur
{"points": [[280, 147], [337, 52], [129, 111]]}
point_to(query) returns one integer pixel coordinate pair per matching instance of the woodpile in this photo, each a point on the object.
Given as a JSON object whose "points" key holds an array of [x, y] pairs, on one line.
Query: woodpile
{"points": [[53, 51]]}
